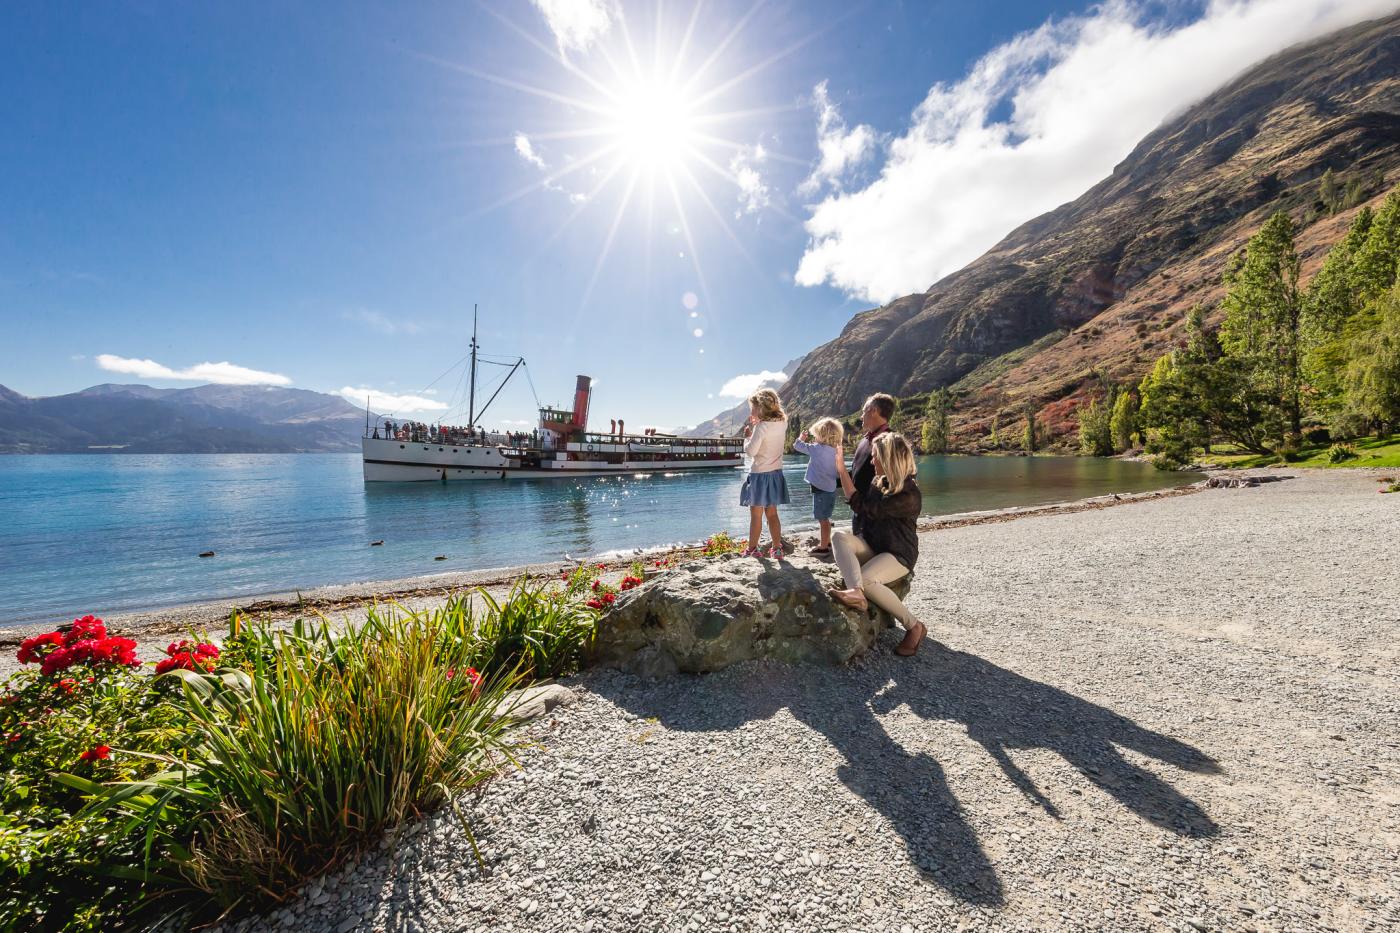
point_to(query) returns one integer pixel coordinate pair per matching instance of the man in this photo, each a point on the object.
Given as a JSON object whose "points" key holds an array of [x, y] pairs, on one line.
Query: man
{"points": [[874, 420]]}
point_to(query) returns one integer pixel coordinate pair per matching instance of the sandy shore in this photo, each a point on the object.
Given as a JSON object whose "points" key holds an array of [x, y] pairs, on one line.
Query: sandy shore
{"points": [[1183, 715], [348, 601]]}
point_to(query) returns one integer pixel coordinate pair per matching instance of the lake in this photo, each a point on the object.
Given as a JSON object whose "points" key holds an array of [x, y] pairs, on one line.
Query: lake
{"points": [[105, 533]]}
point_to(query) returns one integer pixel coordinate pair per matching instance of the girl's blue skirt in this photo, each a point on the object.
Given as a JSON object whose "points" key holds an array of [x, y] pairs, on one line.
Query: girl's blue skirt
{"points": [[764, 489]]}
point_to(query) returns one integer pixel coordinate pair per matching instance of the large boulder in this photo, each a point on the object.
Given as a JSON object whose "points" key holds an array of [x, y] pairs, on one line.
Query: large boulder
{"points": [[707, 614]]}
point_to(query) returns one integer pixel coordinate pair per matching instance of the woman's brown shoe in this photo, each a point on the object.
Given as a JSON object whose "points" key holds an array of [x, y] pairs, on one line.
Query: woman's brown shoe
{"points": [[907, 648], [853, 599]]}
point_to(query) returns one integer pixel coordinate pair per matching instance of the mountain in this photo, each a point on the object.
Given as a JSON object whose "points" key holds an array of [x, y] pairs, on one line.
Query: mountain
{"points": [[731, 421], [1102, 283], [203, 419]]}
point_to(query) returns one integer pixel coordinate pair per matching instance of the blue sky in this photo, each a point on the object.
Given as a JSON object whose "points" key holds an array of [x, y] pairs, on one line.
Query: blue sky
{"points": [[317, 195]]}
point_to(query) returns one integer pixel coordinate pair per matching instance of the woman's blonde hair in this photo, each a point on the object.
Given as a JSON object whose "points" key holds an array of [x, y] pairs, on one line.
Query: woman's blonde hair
{"points": [[770, 407], [896, 460], [828, 431]]}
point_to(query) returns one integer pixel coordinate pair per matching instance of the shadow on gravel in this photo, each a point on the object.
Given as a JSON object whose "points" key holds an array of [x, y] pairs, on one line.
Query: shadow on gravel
{"points": [[1001, 710]]}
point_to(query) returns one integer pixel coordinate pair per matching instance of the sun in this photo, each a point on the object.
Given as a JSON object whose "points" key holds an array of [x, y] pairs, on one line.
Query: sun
{"points": [[654, 125], [632, 129]]}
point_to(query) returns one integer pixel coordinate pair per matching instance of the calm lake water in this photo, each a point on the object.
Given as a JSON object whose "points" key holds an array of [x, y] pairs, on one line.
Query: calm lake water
{"points": [[103, 533]]}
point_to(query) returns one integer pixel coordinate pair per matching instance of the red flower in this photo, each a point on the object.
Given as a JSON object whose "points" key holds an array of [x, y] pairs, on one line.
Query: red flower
{"points": [[609, 598], [594, 604], [596, 584], [85, 628], [14, 737], [66, 685], [30, 649], [602, 566], [188, 656], [96, 753]]}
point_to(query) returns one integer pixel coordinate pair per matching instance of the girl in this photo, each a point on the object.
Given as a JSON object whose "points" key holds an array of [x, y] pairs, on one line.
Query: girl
{"points": [[888, 544], [764, 488], [821, 473]]}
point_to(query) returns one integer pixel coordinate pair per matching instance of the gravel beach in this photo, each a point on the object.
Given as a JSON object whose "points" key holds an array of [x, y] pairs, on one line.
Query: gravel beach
{"points": [[1177, 716]]}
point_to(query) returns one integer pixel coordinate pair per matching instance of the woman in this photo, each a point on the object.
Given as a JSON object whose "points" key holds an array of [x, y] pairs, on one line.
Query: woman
{"points": [[888, 546]]}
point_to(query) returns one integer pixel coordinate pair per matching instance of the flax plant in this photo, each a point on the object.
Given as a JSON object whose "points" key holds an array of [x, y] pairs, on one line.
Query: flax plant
{"points": [[328, 742], [536, 630]]}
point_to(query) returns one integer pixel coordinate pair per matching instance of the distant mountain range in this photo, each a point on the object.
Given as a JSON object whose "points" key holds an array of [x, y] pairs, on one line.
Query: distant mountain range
{"points": [[1099, 287], [203, 419]]}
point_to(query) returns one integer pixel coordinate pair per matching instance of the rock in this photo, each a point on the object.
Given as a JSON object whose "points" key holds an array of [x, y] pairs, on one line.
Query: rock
{"points": [[534, 702], [705, 615]]}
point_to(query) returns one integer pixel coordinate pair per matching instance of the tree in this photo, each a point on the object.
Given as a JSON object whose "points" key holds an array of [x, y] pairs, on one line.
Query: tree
{"points": [[1372, 374], [936, 414], [1095, 440], [1332, 300], [1123, 421], [1372, 270], [1030, 440], [994, 438], [1329, 192], [1263, 314], [794, 428]]}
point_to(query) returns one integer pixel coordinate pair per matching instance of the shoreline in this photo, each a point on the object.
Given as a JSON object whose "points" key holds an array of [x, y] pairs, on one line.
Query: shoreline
{"points": [[284, 605]]}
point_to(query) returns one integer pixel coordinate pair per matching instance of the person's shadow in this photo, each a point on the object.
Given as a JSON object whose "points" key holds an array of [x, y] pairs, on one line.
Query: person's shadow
{"points": [[1000, 709]]}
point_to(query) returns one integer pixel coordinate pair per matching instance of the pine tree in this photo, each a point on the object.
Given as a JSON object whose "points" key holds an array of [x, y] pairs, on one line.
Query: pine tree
{"points": [[1263, 313], [936, 414], [1030, 440], [1123, 423]]}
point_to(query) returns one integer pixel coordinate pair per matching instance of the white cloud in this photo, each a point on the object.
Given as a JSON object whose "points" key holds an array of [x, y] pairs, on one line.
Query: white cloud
{"points": [[221, 373], [753, 193], [1082, 92], [526, 150], [749, 383], [838, 148], [385, 325], [387, 402], [577, 24]]}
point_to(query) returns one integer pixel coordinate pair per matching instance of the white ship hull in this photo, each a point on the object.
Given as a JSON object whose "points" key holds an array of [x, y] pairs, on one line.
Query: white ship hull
{"points": [[396, 461]]}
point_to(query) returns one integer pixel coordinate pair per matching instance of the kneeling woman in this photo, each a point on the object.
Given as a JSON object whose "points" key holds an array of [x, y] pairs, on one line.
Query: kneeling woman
{"points": [[888, 546]]}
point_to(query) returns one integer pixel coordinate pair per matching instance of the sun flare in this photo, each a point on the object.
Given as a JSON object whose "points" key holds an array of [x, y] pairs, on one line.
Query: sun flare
{"points": [[653, 124]]}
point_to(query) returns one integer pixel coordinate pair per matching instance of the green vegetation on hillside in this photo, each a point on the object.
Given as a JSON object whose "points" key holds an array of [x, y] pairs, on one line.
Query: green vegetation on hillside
{"points": [[1291, 367]]}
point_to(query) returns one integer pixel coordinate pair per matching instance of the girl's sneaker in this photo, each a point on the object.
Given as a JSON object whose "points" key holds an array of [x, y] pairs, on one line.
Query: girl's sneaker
{"points": [[750, 552], [776, 553]]}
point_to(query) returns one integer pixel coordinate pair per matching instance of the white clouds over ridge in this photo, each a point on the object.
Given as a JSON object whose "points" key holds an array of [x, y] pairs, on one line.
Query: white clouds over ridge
{"points": [[224, 373], [1082, 92], [749, 383]]}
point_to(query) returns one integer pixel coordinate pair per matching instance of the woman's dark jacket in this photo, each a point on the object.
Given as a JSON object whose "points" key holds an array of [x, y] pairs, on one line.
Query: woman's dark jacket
{"points": [[889, 524]]}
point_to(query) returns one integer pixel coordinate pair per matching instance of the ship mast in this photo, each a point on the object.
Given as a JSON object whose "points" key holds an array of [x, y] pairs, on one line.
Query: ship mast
{"points": [[471, 404]]}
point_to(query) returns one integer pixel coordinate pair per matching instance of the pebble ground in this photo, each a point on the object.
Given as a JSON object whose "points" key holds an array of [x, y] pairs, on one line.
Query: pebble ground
{"points": [[1175, 715]]}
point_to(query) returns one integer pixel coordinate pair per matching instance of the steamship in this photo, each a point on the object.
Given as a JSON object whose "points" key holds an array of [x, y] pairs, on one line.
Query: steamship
{"points": [[560, 446]]}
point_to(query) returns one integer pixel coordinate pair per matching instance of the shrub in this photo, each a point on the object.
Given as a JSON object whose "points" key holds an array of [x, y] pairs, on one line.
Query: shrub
{"points": [[535, 631], [1340, 453], [721, 543], [296, 766]]}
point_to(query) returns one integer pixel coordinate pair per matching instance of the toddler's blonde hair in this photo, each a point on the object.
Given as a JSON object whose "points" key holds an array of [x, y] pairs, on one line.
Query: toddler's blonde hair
{"points": [[828, 431], [770, 407]]}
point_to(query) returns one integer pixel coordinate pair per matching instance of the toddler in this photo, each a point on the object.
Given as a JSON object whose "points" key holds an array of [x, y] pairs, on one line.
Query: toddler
{"points": [[821, 473]]}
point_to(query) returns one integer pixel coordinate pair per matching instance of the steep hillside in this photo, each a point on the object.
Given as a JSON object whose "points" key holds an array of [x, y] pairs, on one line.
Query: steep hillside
{"points": [[1103, 282]]}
